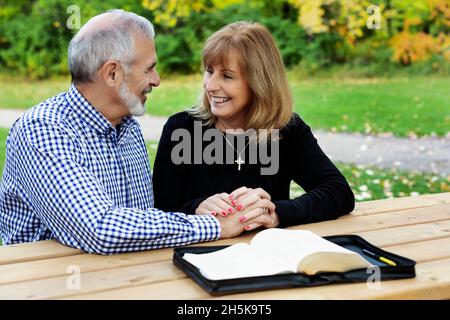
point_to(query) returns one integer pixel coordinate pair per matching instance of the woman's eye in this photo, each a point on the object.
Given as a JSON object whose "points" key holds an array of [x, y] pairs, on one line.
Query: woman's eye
{"points": [[227, 76]]}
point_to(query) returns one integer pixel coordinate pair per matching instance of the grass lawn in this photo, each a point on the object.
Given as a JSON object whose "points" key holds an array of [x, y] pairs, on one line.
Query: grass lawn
{"points": [[369, 183], [399, 106], [3, 135]]}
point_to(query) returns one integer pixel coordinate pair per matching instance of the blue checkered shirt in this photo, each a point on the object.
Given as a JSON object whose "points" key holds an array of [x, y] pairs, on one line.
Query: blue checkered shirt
{"points": [[70, 175]]}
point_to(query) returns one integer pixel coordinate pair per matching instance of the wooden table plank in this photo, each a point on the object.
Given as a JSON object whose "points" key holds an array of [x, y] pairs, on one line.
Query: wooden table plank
{"points": [[408, 234], [416, 227], [380, 221], [366, 226], [35, 251], [423, 251], [169, 290], [40, 269], [150, 273], [398, 204], [95, 281], [432, 281]]}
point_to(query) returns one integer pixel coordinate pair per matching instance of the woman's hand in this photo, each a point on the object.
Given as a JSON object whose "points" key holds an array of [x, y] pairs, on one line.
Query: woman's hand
{"points": [[253, 204], [260, 214], [218, 204], [244, 197], [256, 206]]}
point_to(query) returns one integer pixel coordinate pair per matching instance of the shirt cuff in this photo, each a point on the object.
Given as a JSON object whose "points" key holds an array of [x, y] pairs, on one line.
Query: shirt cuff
{"points": [[207, 227]]}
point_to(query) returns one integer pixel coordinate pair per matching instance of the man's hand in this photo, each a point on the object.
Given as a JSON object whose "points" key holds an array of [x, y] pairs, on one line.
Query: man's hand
{"points": [[230, 226]]}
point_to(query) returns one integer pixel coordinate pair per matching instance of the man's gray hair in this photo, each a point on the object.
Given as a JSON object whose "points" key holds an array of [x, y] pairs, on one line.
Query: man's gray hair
{"points": [[88, 51]]}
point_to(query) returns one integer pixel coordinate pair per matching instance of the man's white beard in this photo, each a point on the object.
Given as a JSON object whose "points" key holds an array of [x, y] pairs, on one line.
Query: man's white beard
{"points": [[133, 103]]}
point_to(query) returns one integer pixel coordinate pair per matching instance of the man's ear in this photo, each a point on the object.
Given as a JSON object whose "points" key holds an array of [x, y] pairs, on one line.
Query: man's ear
{"points": [[112, 73]]}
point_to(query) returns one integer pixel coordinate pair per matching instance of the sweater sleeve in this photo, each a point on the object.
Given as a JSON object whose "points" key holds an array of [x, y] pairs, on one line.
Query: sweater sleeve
{"points": [[328, 195], [170, 179]]}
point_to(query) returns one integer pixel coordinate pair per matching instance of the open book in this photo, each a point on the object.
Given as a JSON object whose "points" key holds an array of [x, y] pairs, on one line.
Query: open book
{"points": [[276, 251]]}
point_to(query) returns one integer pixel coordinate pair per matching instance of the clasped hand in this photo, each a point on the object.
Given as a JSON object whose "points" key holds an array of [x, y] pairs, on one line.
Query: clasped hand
{"points": [[253, 207]]}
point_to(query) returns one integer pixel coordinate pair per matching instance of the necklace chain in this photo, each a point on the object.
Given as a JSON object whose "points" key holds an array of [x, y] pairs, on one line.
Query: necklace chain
{"points": [[239, 161]]}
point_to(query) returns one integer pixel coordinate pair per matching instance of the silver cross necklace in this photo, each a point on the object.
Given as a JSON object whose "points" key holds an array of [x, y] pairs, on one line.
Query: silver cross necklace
{"points": [[239, 160]]}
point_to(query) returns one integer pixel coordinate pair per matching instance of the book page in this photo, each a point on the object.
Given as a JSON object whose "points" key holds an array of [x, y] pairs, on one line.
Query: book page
{"points": [[237, 261], [292, 246]]}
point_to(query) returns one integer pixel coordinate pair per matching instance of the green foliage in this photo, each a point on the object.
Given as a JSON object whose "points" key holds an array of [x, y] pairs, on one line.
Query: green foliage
{"points": [[291, 39], [179, 48], [34, 45], [315, 34], [371, 51], [34, 36], [11, 8], [178, 51]]}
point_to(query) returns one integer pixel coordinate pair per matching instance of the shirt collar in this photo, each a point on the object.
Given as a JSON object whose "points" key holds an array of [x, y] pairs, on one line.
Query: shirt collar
{"points": [[88, 114]]}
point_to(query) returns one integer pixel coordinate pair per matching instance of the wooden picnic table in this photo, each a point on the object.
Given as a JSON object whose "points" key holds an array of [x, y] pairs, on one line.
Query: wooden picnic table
{"points": [[414, 227]]}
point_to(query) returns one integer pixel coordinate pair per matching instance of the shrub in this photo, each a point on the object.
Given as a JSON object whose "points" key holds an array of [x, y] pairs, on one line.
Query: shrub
{"points": [[179, 48], [34, 36]]}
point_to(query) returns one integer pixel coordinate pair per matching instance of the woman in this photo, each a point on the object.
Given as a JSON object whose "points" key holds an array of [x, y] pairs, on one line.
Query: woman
{"points": [[245, 87]]}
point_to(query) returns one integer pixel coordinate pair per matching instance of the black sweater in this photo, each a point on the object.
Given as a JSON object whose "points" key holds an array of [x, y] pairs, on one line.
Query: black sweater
{"points": [[183, 187]]}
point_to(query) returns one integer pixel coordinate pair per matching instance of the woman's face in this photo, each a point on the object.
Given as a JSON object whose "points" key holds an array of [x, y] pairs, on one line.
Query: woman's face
{"points": [[228, 92]]}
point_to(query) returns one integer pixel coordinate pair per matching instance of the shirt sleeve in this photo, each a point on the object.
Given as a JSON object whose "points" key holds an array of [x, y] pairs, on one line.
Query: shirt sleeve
{"points": [[328, 195], [72, 203]]}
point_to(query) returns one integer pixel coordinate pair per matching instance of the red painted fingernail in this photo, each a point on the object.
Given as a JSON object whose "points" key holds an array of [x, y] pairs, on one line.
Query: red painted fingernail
{"points": [[230, 196], [242, 219], [214, 213], [240, 207], [224, 214], [233, 203], [230, 210]]}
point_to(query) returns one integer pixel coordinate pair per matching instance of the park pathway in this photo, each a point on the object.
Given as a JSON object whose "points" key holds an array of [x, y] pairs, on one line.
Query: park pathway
{"points": [[430, 155]]}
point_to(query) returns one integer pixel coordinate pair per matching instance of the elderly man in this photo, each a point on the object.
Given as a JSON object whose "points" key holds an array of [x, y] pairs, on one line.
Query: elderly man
{"points": [[76, 165]]}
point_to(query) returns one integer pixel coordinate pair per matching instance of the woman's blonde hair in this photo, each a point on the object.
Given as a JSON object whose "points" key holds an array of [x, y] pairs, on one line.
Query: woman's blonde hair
{"points": [[261, 63]]}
